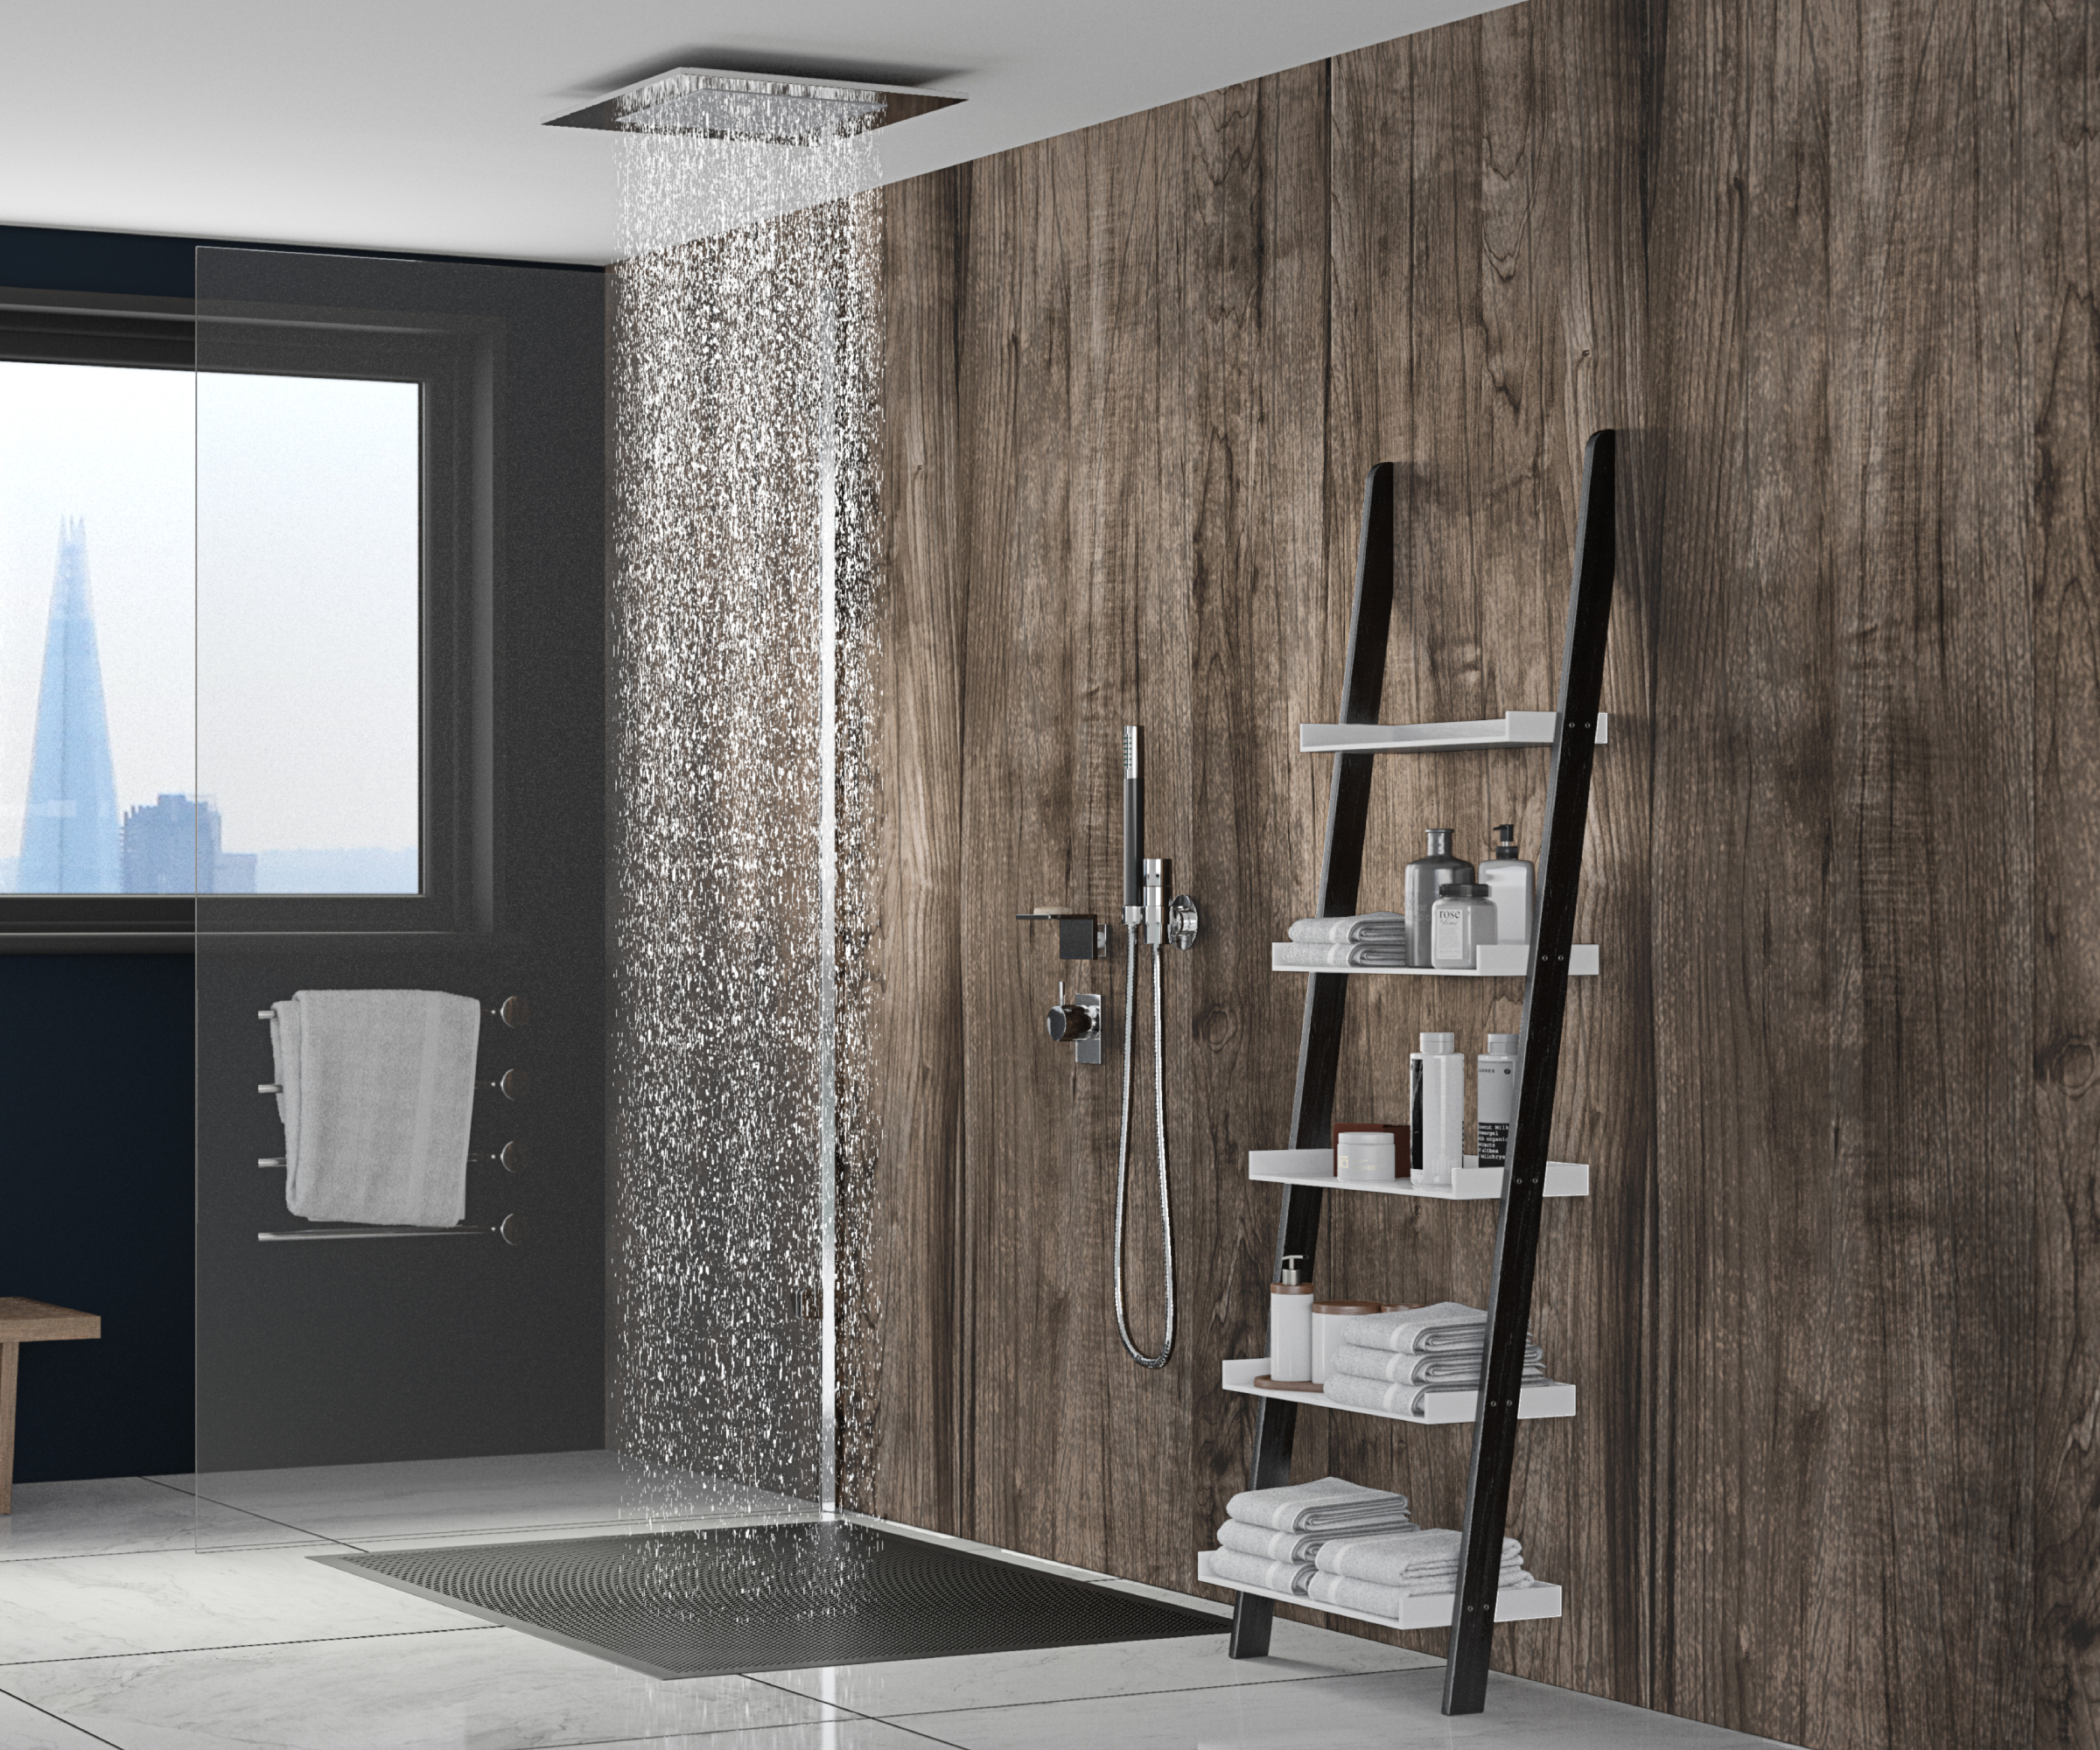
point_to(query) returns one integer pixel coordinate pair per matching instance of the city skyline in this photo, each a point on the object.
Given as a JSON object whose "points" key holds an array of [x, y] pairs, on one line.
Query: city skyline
{"points": [[254, 549], [73, 838]]}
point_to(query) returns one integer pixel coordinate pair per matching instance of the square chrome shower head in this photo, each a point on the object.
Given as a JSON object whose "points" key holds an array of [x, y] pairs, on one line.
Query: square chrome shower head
{"points": [[709, 104]]}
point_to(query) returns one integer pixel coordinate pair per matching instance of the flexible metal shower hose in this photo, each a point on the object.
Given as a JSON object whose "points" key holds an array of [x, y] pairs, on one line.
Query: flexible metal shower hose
{"points": [[1122, 1157]]}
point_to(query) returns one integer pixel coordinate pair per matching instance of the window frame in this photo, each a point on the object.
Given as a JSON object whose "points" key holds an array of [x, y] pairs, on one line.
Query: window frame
{"points": [[451, 361]]}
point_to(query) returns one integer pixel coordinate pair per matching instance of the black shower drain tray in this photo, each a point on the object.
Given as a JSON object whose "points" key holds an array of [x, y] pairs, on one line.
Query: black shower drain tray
{"points": [[772, 1598]]}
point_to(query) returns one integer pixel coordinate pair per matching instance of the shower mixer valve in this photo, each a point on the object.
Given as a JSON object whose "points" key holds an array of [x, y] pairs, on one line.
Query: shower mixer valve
{"points": [[1077, 1024]]}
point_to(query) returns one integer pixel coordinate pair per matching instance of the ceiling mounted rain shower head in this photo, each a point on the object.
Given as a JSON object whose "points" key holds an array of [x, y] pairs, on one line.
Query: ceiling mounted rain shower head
{"points": [[709, 103]]}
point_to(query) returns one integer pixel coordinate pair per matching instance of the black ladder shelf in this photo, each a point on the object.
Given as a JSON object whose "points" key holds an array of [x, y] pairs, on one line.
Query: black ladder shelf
{"points": [[1545, 998]]}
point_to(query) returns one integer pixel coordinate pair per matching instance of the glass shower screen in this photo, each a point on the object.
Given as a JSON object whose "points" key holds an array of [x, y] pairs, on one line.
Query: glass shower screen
{"points": [[399, 807]]}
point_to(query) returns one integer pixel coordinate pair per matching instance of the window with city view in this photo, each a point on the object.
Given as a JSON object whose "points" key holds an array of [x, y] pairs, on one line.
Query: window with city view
{"points": [[210, 633]]}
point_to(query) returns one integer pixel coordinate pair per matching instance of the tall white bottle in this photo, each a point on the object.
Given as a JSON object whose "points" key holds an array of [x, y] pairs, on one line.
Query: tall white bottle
{"points": [[1511, 887], [1439, 1109], [1291, 1326], [1494, 1100]]}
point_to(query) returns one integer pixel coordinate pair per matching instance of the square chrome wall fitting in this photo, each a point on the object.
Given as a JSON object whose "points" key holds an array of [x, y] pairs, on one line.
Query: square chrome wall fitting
{"points": [[709, 104]]}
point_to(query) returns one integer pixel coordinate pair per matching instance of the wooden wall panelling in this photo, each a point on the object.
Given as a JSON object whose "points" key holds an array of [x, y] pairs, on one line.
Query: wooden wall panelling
{"points": [[1834, 538], [1745, 721], [920, 1253], [1256, 594], [1405, 250], [1036, 1411], [1124, 421], [2059, 374], [1829, 271], [1582, 1481], [1931, 1058], [1484, 324]]}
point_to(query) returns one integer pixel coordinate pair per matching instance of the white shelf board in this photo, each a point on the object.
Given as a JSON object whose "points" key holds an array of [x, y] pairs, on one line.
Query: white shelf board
{"points": [[1512, 729], [1472, 1184], [1427, 1610], [1536, 1402], [1498, 960]]}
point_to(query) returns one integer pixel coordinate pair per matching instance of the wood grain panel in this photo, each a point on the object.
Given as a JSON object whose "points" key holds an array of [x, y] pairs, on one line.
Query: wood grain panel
{"points": [[1829, 272], [1242, 611], [2055, 61], [918, 1361]]}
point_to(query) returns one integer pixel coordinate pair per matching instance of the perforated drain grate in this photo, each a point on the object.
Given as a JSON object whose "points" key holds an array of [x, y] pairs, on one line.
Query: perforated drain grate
{"points": [[698, 1604]]}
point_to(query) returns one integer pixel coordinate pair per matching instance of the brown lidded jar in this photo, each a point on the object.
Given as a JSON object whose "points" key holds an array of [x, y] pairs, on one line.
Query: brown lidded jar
{"points": [[1330, 1331]]}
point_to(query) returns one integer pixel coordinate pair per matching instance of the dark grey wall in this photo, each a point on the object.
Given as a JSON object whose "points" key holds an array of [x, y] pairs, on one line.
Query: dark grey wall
{"points": [[341, 1352]]}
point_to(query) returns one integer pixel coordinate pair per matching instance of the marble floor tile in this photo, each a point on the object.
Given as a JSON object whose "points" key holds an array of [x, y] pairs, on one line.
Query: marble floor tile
{"points": [[427, 1497], [472, 1690], [916, 1686], [1384, 1711], [83, 1607], [126, 1515], [23, 1727], [839, 1734]]}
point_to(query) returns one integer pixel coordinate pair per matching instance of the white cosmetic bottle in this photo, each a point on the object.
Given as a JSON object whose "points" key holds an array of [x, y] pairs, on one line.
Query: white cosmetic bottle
{"points": [[1438, 1114], [1291, 1326], [1512, 888], [1495, 1099]]}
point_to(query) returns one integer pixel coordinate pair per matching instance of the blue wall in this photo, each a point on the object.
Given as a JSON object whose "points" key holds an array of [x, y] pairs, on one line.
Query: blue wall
{"points": [[95, 1205]]}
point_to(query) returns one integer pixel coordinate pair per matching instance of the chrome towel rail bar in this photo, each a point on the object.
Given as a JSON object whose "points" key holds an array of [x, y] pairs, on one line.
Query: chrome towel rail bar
{"points": [[511, 1230], [516, 1012]]}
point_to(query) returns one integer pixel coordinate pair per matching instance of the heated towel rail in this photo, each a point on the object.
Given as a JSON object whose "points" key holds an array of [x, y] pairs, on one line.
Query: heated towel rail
{"points": [[516, 1012]]}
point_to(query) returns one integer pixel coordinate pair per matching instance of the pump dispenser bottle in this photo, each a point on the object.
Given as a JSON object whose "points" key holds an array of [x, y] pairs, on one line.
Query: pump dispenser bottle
{"points": [[1291, 1326], [1425, 876], [1512, 887]]}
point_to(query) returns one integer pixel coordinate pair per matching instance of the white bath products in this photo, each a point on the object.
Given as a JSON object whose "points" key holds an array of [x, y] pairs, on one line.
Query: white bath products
{"points": [[1330, 1320], [1462, 919], [1437, 1115], [1362, 1155], [1512, 888], [1495, 1099], [1291, 1326]]}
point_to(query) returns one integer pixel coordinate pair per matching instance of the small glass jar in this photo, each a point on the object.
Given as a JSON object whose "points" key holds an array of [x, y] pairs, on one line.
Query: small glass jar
{"points": [[1462, 921]]}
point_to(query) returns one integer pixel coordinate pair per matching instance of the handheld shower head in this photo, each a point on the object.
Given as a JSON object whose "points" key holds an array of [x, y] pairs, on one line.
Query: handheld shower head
{"points": [[1133, 830]]}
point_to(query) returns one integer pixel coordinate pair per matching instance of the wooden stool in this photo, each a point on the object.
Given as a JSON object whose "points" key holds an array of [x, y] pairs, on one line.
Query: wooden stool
{"points": [[28, 1321]]}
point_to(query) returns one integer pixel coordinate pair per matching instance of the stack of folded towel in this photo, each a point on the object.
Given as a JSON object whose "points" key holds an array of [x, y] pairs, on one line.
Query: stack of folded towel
{"points": [[1369, 939], [1272, 1536], [1393, 1361], [1378, 1575]]}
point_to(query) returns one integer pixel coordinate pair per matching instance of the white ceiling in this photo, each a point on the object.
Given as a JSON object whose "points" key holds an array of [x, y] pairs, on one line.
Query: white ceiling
{"points": [[415, 124]]}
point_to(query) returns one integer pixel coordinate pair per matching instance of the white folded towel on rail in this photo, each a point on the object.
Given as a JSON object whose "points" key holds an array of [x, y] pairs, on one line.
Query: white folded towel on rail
{"points": [[1232, 1567], [376, 1090], [1314, 956], [1331, 1505], [1385, 927]]}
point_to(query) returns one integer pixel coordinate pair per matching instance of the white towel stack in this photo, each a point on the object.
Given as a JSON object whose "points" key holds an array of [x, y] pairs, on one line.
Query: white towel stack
{"points": [[1370, 939], [1272, 1536], [1378, 1575], [1394, 1361], [376, 1090]]}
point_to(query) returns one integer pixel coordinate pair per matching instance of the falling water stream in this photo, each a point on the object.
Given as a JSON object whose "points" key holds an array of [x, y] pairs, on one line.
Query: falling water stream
{"points": [[746, 372]]}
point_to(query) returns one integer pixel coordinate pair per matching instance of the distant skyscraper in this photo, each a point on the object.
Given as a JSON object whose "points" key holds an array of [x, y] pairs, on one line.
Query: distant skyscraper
{"points": [[171, 846], [69, 829]]}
